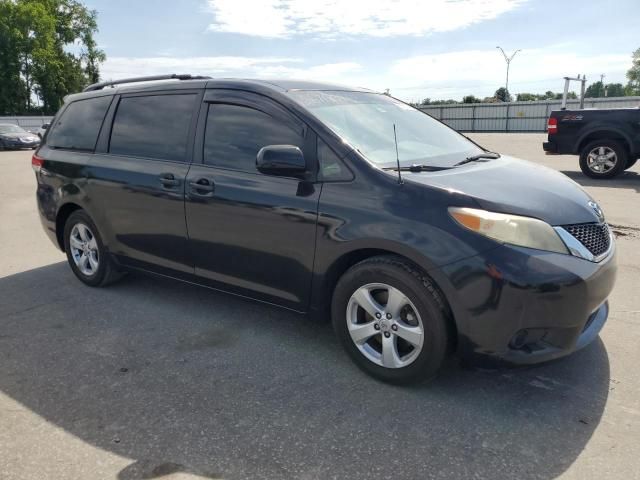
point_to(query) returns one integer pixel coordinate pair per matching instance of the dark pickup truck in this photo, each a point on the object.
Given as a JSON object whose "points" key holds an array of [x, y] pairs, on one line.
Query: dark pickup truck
{"points": [[608, 141]]}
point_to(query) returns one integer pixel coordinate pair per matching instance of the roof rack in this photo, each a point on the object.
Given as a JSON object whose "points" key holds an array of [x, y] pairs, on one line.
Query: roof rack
{"points": [[174, 76]]}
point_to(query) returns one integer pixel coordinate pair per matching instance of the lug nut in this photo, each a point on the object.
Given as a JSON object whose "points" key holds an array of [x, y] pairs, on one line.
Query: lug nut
{"points": [[389, 316], [378, 315], [394, 327], [376, 326], [387, 334]]}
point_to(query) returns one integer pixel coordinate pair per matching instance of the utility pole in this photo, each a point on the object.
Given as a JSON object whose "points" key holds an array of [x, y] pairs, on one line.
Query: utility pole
{"points": [[508, 60], [602, 75]]}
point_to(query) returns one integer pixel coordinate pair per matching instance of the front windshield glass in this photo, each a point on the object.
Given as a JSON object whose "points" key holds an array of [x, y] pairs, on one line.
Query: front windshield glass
{"points": [[366, 120], [11, 129]]}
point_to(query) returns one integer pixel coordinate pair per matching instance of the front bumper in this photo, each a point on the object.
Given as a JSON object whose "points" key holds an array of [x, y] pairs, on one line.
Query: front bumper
{"points": [[515, 305]]}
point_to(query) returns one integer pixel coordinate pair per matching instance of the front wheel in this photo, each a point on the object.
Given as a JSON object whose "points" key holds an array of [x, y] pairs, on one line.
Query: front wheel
{"points": [[603, 159], [391, 320], [85, 251]]}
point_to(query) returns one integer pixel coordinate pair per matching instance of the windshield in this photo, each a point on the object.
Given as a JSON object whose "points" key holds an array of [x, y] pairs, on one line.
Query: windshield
{"points": [[11, 129], [366, 120]]}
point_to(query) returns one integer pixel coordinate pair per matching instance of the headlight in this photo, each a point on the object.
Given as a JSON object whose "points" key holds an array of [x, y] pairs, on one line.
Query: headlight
{"points": [[513, 229]]}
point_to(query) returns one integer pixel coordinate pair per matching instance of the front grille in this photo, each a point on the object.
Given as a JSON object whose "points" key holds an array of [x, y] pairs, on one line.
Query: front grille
{"points": [[594, 236]]}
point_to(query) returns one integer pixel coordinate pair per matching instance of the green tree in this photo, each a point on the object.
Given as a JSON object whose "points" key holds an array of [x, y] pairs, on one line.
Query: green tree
{"points": [[47, 51], [527, 97], [633, 74], [470, 99], [595, 90], [558, 96], [13, 89], [428, 101], [615, 90], [503, 95]]}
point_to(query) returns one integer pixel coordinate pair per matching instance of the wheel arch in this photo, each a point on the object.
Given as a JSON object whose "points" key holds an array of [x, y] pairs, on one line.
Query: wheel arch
{"points": [[348, 259], [64, 212], [604, 133]]}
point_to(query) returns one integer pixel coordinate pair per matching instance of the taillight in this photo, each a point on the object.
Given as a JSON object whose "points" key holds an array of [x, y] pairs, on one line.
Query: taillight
{"points": [[552, 125], [36, 162]]}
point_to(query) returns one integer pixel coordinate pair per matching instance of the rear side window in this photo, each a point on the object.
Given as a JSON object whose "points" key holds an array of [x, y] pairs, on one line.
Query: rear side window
{"points": [[235, 134], [154, 126], [79, 125]]}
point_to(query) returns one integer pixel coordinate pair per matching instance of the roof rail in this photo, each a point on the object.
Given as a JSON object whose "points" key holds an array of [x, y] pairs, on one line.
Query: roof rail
{"points": [[174, 76]]}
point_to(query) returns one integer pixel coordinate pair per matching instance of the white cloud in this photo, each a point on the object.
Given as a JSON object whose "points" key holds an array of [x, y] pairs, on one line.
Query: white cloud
{"points": [[444, 75], [331, 18], [227, 66], [120, 67], [481, 72]]}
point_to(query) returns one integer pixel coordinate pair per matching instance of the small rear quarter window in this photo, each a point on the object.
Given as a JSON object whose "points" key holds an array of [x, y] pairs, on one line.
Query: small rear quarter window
{"points": [[79, 125]]}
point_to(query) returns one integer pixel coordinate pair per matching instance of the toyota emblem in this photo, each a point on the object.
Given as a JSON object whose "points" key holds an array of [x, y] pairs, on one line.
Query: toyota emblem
{"points": [[596, 208]]}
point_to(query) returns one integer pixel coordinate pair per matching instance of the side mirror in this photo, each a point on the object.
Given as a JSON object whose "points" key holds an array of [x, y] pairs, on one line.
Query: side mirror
{"points": [[45, 126], [285, 160]]}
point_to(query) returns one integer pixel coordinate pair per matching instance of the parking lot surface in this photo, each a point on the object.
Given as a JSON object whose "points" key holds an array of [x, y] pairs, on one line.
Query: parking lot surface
{"points": [[151, 378]]}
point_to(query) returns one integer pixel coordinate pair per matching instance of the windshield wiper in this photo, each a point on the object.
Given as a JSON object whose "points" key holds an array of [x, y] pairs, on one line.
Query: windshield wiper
{"points": [[480, 156], [418, 168]]}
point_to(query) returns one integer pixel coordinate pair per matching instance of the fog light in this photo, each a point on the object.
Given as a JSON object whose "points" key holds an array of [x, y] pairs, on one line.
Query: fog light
{"points": [[519, 340], [528, 339]]}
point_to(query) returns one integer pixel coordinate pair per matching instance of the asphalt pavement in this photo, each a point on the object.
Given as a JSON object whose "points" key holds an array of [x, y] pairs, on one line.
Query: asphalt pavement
{"points": [[152, 378]]}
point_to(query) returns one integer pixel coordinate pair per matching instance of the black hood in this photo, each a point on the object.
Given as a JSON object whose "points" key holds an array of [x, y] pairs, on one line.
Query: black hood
{"points": [[510, 185]]}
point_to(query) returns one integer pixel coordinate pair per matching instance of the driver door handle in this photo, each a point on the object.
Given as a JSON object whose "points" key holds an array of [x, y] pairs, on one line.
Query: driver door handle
{"points": [[168, 180], [203, 187]]}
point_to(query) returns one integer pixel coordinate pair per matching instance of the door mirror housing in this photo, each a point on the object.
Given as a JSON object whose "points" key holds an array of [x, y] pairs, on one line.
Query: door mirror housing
{"points": [[281, 160]]}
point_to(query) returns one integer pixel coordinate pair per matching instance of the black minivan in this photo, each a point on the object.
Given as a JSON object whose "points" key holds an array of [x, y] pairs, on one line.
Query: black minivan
{"points": [[332, 201]]}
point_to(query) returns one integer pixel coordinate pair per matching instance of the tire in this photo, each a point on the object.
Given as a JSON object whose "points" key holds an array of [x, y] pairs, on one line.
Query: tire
{"points": [[630, 163], [384, 353], [603, 159], [97, 269]]}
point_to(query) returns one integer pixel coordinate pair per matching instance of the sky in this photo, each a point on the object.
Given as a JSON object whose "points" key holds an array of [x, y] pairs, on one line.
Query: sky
{"points": [[434, 49]]}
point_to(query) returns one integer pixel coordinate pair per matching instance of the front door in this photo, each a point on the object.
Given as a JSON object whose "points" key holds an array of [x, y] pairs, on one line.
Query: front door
{"points": [[251, 233]]}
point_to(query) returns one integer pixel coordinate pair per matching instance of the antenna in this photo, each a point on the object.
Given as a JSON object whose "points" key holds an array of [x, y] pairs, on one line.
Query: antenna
{"points": [[395, 139]]}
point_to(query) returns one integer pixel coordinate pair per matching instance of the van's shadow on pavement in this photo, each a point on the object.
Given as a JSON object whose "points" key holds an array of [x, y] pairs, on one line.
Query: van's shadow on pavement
{"points": [[180, 378], [627, 180]]}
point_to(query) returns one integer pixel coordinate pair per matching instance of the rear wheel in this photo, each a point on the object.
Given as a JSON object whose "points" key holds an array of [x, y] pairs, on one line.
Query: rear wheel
{"points": [[391, 320], [603, 159], [85, 251]]}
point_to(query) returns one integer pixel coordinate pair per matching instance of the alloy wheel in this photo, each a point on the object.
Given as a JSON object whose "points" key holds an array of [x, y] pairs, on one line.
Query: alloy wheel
{"points": [[601, 159], [84, 249], [384, 325]]}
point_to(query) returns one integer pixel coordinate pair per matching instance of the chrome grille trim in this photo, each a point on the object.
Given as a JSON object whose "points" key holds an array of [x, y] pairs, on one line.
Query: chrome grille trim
{"points": [[579, 249]]}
